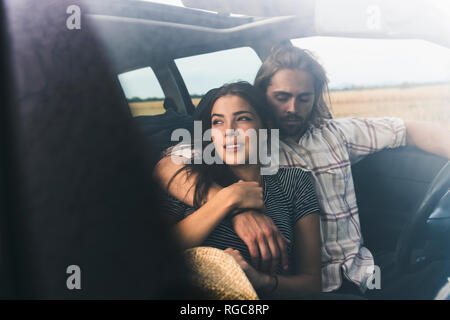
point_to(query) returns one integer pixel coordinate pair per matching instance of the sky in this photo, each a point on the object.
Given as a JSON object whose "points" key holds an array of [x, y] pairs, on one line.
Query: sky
{"points": [[348, 62]]}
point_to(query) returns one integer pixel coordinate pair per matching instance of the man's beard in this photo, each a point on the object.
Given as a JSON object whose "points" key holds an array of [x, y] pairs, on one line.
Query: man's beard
{"points": [[293, 131]]}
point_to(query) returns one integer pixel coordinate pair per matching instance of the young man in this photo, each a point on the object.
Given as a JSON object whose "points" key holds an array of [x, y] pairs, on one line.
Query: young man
{"points": [[295, 85]]}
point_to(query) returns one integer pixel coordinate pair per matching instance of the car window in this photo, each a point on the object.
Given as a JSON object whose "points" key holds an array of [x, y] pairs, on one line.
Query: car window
{"points": [[206, 71], [143, 92], [409, 79]]}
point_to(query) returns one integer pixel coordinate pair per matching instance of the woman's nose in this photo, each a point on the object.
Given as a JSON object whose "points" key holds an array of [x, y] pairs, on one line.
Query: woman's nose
{"points": [[230, 128]]}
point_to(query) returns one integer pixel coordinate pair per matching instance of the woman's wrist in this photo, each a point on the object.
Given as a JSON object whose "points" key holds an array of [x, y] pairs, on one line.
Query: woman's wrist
{"points": [[228, 199]]}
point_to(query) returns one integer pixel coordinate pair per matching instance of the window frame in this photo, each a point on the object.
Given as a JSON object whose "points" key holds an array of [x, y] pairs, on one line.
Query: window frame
{"points": [[261, 51]]}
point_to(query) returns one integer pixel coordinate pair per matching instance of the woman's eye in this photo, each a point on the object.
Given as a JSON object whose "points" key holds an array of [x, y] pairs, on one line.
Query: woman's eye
{"points": [[245, 118], [216, 122]]}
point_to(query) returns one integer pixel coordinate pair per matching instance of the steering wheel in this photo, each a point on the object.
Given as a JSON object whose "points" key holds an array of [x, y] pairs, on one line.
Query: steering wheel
{"points": [[436, 190]]}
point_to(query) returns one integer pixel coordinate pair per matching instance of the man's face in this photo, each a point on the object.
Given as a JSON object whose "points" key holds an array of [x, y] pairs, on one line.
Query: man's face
{"points": [[291, 94]]}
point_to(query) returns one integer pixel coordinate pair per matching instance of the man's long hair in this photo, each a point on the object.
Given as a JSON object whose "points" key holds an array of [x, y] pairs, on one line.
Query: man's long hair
{"points": [[286, 56]]}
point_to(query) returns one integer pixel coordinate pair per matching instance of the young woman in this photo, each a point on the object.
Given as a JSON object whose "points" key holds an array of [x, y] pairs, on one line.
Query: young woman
{"points": [[287, 197]]}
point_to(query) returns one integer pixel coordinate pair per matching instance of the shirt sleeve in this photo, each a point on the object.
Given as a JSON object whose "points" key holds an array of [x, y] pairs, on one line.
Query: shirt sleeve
{"points": [[364, 136], [305, 200]]}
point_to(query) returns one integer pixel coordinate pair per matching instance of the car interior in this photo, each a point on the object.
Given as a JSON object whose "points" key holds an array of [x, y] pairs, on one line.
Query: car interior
{"points": [[75, 179], [393, 192]]}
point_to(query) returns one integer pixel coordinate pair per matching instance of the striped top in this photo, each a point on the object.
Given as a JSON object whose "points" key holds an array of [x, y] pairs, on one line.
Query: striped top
{"points": [[288, 196]]}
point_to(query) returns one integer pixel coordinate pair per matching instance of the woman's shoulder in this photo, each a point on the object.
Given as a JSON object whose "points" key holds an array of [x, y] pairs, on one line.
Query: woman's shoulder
{"points": [[290, 179], [169, 201], [292, 174]]}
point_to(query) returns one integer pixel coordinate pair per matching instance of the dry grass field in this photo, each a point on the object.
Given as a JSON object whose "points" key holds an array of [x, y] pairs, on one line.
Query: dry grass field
{"points": [[427, 103], [149, 108]]}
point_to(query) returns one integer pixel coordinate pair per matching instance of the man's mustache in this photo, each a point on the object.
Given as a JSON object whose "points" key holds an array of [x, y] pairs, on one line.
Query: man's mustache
{"points": [[292, 117]]}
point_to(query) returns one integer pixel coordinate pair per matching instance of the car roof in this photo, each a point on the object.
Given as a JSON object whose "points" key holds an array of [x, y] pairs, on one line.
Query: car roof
{"points": [[136, 32], [165, 13]]}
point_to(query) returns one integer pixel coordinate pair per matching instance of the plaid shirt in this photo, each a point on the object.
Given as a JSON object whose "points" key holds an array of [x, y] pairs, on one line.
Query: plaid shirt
{"points": [[328, 152]]}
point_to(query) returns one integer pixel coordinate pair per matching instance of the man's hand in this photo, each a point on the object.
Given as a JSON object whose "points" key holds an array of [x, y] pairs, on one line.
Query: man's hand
{"points": [[266, 244]]}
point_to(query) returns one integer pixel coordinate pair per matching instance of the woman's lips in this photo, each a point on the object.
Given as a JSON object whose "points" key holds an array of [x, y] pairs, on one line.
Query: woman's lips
{"points": [[233, 147]]}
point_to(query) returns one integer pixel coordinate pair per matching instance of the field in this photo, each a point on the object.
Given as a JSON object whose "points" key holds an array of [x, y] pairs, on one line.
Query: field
{"points": [[425, 103]]}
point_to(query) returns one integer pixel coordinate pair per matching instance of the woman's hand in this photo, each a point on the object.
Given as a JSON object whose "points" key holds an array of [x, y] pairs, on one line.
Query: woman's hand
{"points": [[259, 280], [245, 195]]}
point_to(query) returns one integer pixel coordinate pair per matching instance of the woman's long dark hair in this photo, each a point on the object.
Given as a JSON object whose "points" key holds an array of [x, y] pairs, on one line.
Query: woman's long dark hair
{"points": [[206, 175]]}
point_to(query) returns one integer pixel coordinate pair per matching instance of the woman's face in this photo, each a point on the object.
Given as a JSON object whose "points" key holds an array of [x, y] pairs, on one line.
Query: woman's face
{"points": [[235, 127]]}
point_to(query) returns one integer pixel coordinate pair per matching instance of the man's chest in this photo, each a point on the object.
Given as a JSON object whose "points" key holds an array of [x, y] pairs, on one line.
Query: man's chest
{"points": [[317, 154], [330, 167]]}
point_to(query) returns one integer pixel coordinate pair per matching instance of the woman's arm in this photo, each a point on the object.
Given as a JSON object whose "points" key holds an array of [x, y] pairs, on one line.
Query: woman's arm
{"points": [[307, 259], [307, 255], [196, 227], [258, 232], [182, 186]]}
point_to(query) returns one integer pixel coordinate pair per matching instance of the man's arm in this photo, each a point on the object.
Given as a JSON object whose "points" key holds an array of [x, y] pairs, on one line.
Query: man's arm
{"points": [[307, 278], [266, 244], [429, 137], [363, 136], [196, 227]]}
